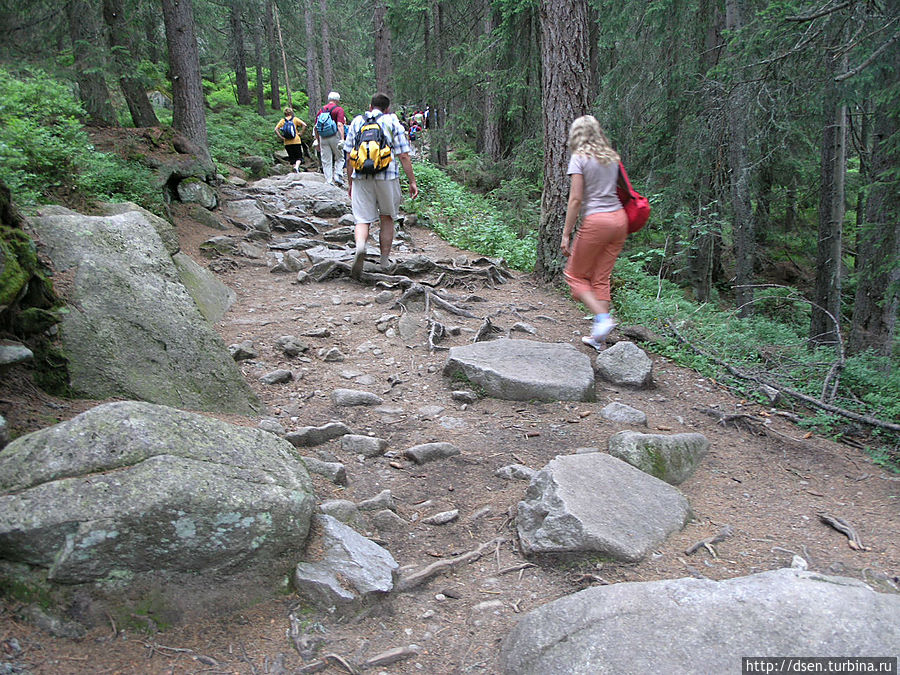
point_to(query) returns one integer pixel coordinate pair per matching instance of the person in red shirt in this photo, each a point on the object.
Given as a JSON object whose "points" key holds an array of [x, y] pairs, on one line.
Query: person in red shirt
{"points": [[330, 139]]}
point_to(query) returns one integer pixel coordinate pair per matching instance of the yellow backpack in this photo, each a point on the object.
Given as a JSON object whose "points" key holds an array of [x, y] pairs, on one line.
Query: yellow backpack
{"points": [[371, 152]]}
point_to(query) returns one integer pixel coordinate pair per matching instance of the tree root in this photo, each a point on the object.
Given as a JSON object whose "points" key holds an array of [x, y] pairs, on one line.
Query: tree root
{"points": [[846, 529], [414, 579], [707, 543]]}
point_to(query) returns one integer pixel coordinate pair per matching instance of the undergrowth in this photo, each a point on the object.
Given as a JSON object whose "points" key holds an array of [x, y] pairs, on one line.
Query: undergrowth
{"points": [[45, 151]]}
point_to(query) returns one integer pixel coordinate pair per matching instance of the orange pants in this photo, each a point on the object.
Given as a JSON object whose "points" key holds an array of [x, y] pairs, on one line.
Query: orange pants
{"points": [[599, 241]]}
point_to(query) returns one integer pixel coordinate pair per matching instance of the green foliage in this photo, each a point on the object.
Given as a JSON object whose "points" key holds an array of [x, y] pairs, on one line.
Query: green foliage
{"points": [[235, 131], [44, 150], [469, 221]]}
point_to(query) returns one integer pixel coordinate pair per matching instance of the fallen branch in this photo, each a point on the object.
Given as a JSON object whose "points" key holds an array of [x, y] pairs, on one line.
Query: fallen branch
{"points": [[846, 529], [865, 419], [707, 543], [410, 581]]}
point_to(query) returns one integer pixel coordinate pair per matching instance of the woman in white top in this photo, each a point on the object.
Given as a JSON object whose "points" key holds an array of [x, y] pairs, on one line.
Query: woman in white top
{"points": [[594, 171]]}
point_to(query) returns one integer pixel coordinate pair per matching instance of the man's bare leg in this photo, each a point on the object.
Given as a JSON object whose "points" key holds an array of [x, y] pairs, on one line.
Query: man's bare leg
{"points": [[385, 239], [361, 236]]}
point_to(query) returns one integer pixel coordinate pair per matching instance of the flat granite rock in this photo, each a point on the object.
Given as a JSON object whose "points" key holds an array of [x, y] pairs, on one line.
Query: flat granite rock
{"points": [[524, 370]]}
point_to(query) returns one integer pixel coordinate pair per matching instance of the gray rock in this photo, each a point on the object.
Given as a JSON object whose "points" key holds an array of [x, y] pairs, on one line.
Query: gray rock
{"points": [[243, 351], [333, 471], [332, 355], [279, 376], [307, 437], [290, 345], [367, 446], [387, 521], [669, 458], [702, 626], [163, 227], [135, 487], [347, 220], [329, 209], [271, 425], [205, 217], [4, 432], [464, 396], [354, 397], [316, 333], [366, 381], [14, 352], [246, 213], [249, 250], [595, 503], [625, 364], [624, 414], [430, 411], [339, 234], [587, 450], [213, 298], [430, 452], [222, 245], [523, 370], [350, 572], [302, 277], [194, 190], [515, 472], [522, 327], [288, 262], [442, 518], [341, 509], [384, 297], [54, 625], [383, 500], [132, 329]]}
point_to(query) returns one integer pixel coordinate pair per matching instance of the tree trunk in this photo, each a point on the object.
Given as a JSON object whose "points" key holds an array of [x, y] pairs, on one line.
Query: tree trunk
{"points": [[565, 70], [189, 114], [327, 68], [384, 69], [312, 63], [827, 294], [878, 256], [272, 43], [491, 126], [437, 118], [121, 45], [86, 35], [738, 122], [258, 57], [238, 58]]}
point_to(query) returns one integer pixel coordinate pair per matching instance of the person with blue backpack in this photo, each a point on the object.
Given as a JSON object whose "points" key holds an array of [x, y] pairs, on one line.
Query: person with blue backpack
{"points": [[329, 130], [289, 129]]}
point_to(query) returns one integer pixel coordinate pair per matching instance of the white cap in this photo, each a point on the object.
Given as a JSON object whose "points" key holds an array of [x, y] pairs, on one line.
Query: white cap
{"points": [[334, 96]]}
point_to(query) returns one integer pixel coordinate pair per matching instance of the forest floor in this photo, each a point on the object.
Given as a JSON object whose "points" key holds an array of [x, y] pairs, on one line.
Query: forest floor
{"points": [[765, 478]]}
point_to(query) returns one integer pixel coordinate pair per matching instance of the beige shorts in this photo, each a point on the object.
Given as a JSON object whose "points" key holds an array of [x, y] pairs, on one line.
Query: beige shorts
{"points": [[373, 198]]}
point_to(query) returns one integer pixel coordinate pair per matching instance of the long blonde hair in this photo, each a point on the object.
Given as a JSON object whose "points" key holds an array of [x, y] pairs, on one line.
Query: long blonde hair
{"points": [[586, 137]]}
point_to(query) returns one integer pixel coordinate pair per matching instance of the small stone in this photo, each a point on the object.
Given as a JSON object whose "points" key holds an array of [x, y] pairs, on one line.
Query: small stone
{"points": [[302, 277], [15, 352], [442, 518], [333, 471], [243, 351], [430, 411], [624, 414], [384, 297], [341, 509], [583, 451], [350, 374], [336, 300], [522, 327], [354, 397], [333, 355], [440, 597], [387, 521], [365, 380], [306, 437], [429, 452], [316, 333], [367, 446], [291, 345], [464, 396], [515, 472], [279, 376], [383, 500], [271, 425]]}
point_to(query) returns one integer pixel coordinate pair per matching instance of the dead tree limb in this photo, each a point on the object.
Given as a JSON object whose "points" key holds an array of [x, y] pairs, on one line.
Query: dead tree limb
{"points": [[846, 529], [724, 533], [849, 414], [414, 579]]}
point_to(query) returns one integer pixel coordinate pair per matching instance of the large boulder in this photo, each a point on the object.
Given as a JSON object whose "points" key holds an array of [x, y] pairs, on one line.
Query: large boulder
{"points": [[132, 330], [131, 488], [524, 370], [246, 213], [670, 458], [213, 298], [702, 626], [596, 504]]}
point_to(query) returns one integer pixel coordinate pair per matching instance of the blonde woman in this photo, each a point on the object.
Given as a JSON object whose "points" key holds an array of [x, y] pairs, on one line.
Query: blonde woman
{"points": [[293, 145], [594, 171]]}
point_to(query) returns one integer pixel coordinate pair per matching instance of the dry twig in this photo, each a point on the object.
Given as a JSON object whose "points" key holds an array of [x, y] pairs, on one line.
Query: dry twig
{"points": [[707, 543]]}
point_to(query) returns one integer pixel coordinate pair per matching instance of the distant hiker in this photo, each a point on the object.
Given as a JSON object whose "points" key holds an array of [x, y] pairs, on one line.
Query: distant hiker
{"points": [[329, 130], [377, 142], [289, 129], [594, 168]]}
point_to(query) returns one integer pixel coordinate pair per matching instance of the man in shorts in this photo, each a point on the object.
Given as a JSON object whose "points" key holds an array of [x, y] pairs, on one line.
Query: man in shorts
{"points": [[376, 198]]}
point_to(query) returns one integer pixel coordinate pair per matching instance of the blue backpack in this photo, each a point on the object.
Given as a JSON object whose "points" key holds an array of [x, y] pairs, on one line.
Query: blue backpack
{"points": [[325, 124], [289, 131]]}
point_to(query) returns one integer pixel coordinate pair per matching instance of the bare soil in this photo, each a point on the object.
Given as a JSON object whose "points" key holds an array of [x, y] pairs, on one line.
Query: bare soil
{"points": [[766, 479]]}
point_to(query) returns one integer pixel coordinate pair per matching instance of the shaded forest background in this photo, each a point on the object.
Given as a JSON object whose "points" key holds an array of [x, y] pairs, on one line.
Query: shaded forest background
{"points": [[765, 133]]}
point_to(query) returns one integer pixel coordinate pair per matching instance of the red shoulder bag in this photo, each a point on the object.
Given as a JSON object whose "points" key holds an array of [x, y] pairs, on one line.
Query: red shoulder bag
{"points": [[636, 206]]}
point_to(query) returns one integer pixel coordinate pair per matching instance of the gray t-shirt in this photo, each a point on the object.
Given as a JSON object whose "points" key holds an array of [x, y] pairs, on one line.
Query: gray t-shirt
{"points": [[599, 184]]}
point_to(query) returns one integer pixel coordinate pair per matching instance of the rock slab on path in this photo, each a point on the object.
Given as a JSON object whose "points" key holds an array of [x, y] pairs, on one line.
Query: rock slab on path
{"points": [[670, 458], [702, 626], [524, 370], [595, 503]]}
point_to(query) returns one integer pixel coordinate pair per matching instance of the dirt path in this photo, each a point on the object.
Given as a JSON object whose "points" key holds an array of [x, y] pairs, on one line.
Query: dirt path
{"points": [[769, 488]]}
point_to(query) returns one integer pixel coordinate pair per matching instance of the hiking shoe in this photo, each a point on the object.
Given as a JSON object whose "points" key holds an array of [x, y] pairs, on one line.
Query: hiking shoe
{"points": [[601, 329], [599, 345], [359, 259]]}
